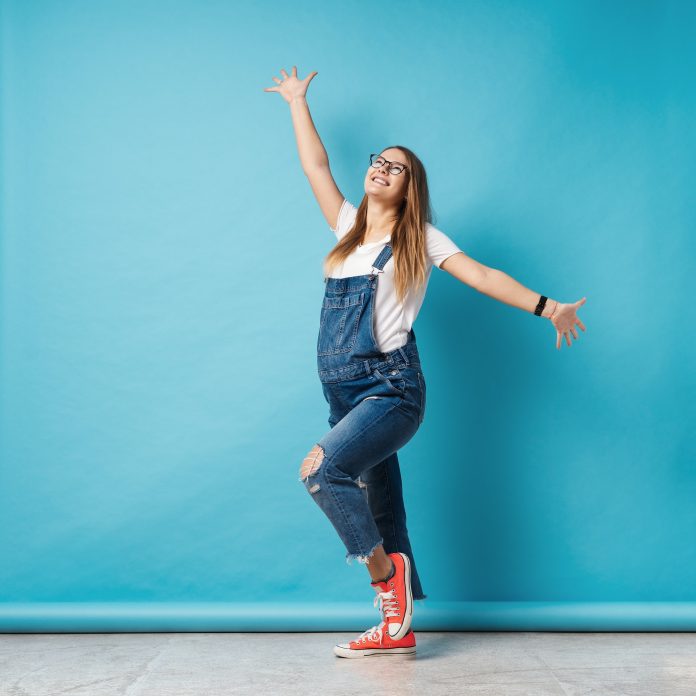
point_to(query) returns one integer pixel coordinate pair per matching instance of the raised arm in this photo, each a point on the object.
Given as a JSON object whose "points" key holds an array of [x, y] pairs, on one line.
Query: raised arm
{"points": [[313, 156], [504, 288]]}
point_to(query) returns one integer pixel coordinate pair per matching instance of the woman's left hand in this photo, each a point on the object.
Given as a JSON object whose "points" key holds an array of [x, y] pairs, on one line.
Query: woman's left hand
{"points": [[564, 318]]}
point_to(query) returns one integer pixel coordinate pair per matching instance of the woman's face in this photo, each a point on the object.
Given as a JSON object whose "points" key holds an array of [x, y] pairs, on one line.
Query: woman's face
{"points": [[393, 191]]}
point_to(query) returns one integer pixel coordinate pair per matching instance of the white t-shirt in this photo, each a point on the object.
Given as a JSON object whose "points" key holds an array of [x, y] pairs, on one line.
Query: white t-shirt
{"points": [[393, 320]]}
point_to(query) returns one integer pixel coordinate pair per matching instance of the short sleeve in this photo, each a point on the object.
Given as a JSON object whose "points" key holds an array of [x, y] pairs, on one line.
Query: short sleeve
{"points": [[346, 218], [438, 245]]}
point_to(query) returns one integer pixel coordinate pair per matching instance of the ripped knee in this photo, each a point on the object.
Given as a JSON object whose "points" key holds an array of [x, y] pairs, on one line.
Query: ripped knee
{"points": [[312, 462]]}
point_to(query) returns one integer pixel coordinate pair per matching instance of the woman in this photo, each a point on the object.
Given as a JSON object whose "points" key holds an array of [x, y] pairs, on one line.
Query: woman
{"points": [[368, 362]]}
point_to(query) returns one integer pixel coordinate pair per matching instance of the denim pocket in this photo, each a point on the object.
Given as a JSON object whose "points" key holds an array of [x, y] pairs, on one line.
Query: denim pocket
{"points": [[338, 323], [392, 378]]}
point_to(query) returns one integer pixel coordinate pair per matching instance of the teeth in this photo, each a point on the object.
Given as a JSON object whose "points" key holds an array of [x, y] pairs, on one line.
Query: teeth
{"points": [[380, 181]]}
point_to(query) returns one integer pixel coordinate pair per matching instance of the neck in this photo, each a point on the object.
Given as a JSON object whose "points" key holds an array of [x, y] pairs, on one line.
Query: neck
{"points": [[380, 219]]}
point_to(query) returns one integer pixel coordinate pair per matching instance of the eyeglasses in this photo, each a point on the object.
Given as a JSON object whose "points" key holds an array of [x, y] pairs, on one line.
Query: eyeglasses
{"points": [[394, 167]]}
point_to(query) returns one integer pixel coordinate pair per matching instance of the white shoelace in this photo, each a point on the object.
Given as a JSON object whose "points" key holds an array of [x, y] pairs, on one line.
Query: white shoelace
{"points": [[374, 633], [389, 606]]}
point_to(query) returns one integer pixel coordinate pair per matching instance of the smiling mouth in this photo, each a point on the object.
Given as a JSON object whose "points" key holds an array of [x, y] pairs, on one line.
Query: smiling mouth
{"points": [[380, 181]]}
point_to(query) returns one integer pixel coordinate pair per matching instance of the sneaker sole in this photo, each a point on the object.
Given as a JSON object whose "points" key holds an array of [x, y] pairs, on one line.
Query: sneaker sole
{"points": [[372, 652], [408, 609]]}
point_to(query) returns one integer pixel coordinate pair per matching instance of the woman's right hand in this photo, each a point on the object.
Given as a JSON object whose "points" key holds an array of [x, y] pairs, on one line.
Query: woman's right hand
{"points": [[291, 87]]}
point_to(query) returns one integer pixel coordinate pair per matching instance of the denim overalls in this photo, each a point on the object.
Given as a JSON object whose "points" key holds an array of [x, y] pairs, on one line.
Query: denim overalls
{"points": [[376, 404]]}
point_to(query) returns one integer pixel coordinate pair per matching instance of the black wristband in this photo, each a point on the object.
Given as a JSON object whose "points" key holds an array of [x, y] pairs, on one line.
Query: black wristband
{"points": [[540, 307]]}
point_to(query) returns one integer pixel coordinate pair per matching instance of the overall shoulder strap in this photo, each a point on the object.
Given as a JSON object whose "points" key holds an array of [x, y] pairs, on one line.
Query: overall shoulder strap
{"points": [[382, 257]]}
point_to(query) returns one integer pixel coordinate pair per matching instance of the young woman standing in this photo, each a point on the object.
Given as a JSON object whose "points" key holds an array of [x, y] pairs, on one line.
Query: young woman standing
{"points": [[368, 361]]}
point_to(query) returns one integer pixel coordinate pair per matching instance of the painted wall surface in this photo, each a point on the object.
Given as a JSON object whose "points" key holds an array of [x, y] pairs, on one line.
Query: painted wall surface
{"points": [[161, 282]]}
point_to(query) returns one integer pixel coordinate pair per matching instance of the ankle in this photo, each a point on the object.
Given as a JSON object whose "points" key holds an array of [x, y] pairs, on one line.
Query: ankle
{"points": [[389, 575]]}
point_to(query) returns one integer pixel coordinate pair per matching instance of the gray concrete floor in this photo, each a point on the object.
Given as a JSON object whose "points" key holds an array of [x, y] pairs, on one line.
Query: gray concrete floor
{"points": [[208, 664]]}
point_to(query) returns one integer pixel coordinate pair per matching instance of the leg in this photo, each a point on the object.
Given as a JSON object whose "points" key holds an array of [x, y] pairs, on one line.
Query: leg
{"points": [[379, 564], [364, 437], [384, 490]]}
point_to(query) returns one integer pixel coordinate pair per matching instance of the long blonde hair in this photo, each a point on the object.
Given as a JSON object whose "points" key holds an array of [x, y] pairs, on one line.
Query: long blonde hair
{"points": [[408, 235]]}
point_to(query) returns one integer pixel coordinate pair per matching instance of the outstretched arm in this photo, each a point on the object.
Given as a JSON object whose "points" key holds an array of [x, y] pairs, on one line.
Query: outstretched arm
{"points": [[500, 286], [313, 156]]}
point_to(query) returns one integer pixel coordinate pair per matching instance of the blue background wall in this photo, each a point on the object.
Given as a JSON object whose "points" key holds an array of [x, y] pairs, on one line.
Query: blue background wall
{"points": [[161, 281]]}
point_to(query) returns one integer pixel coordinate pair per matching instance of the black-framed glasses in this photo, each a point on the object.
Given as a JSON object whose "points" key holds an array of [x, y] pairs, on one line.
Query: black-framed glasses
{"points": [[379, 162]]}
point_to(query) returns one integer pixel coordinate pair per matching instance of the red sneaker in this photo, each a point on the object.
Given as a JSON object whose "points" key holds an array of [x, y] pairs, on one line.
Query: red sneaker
{"points": [[396, 597], [377, 641]]}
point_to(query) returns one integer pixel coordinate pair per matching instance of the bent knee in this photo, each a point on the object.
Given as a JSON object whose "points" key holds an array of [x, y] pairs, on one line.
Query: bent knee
{"points": [[312, 462]]}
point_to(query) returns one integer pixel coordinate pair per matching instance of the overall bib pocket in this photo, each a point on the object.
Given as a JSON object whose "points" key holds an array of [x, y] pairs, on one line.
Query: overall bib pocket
{"points": [[338, 324]]}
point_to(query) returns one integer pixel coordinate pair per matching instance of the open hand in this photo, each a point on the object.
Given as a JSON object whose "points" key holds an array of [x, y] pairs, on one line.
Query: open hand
{"points": [[565, 319], [291, 86]]}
